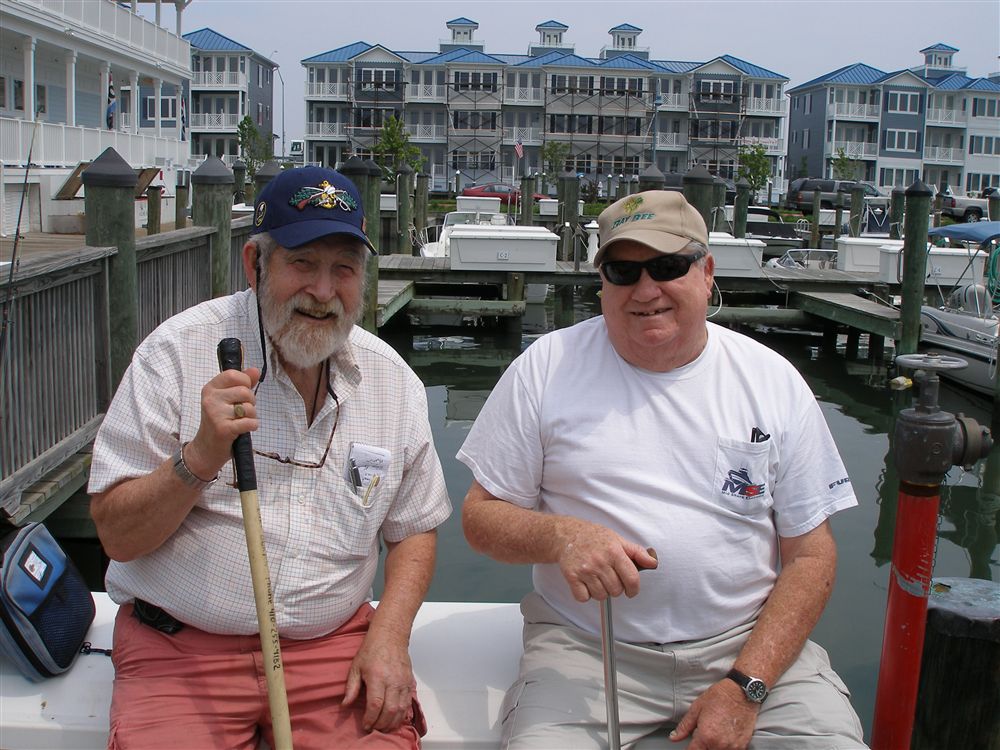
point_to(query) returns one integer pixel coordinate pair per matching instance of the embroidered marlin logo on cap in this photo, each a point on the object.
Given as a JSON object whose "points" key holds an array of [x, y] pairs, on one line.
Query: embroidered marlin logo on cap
{"points": [[324, 196], [632, 204]]}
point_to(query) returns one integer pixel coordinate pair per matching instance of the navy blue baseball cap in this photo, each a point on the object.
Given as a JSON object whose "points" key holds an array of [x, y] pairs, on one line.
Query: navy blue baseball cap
{"points": [[301, 205]]}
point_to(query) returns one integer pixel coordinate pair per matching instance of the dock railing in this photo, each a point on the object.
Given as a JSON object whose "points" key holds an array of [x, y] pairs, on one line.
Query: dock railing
{"points": [[55, 382]]}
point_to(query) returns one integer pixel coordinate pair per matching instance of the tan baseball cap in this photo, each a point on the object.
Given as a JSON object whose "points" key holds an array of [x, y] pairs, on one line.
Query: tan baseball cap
{"points": [[660, 219]]}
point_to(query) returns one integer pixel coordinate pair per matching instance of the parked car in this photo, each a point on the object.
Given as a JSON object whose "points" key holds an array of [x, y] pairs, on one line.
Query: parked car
{"points": [[800, 193], [506, 193], [962, 208]]}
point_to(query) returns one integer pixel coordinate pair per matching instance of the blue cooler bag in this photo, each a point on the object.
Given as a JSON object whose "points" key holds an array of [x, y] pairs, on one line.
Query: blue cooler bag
{"points": [[45, 606]]}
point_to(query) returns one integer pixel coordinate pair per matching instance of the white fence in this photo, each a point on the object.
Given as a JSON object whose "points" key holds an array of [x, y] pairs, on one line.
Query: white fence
{"points": [[219, 80]]}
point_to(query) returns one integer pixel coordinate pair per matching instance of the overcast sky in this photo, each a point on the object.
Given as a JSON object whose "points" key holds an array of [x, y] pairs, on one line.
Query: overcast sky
{"points": [[801, 39]]}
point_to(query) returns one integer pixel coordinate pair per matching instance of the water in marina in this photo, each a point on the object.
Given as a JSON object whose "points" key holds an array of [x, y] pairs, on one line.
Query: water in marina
{"points": [[460, 366]]}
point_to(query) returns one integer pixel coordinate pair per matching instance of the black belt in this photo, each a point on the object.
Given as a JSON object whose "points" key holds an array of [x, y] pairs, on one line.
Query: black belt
{"points": [[155, 617]]}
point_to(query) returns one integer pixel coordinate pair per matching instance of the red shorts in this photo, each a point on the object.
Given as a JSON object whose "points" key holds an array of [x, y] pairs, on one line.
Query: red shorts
{"points": [[197, 690]]}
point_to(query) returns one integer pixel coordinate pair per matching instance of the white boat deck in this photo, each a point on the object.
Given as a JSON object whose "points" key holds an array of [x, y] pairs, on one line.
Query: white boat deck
{"points": [[464, 655]]}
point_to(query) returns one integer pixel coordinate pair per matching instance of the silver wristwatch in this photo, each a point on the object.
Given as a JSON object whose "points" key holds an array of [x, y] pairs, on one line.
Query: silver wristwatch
{"points": [[753, 688], [186, 475]]}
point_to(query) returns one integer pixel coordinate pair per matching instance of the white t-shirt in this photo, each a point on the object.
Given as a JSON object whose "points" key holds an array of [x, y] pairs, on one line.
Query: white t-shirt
{"points": [[704, 464], [320, 529]]}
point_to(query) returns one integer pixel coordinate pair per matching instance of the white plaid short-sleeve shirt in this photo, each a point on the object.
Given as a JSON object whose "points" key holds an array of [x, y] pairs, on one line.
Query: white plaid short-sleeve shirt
{"points": [[321, 536]]}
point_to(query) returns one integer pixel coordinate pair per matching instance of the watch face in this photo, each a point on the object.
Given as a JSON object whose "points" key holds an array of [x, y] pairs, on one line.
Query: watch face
{"points": [[756, 691]]}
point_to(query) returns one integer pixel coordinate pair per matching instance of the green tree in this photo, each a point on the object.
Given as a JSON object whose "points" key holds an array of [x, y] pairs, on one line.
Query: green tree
{"points": [[844, 168], [255, 147], [393, 149], [554, 154], [755, 166]]}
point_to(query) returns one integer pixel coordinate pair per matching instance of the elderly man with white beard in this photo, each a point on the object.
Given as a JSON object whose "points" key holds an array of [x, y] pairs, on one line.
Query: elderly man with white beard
{"points": [[344, 459]]}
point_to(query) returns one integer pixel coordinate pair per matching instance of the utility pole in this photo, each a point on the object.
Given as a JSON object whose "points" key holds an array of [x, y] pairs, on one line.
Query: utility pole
{"points": [[277, 69]]}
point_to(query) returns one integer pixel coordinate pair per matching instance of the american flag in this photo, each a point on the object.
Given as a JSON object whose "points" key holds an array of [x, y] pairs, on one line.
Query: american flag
{"points": [[111, 103], [519, 149]]}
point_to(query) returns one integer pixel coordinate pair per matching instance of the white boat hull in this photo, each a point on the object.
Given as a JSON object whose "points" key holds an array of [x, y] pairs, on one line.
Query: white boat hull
{"points": [[967, 336]]}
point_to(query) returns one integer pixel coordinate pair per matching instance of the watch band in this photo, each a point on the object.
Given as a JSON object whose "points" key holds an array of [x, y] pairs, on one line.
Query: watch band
{"points": [[186, 475], [754, 688]]}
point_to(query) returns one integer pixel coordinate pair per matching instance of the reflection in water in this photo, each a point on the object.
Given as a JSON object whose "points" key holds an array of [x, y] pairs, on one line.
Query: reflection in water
{"points": [[460, 366]]}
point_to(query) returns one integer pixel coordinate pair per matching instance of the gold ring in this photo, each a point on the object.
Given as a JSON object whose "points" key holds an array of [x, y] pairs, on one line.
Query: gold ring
{"points": [[239, 411]]}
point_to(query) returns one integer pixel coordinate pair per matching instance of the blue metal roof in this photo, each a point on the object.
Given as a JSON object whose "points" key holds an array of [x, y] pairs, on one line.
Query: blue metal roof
{"points": [[750, 69], [207, 39], [537, 62], [625, 27], [341, 54], [445, 57], [896, 73], [552, 25], [513, 59], [983, 84], [675, 66], [627, 62], [857, 74], [951, 82], [463, 21], [417, 57], [940, 47], [475, 57]]}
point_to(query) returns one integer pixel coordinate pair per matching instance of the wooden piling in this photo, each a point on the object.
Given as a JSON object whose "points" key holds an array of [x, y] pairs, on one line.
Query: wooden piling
{"points": [[373, 208], [569, 189], [857, 209], [109, 205], [651, 179], [740, 208], [404, 210], [853, 343], [814, 233], [239, 180], [183, 196], [697, 186], [896, 205], [357, 172], [154, 195], [938, 205], [527, 201], [993, 207], [958, 700], [838, 216], [212, 206], [265, 173], [420, 201], [918, 199], [718, 205]]}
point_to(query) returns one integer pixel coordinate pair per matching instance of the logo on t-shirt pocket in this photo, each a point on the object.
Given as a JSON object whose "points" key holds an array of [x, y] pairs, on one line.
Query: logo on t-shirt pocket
{"points": [[741, 475]]}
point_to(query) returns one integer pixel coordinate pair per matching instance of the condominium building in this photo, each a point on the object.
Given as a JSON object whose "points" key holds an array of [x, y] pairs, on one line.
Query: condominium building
{"points": [[487, 116], [932, 121], [229, 81]]}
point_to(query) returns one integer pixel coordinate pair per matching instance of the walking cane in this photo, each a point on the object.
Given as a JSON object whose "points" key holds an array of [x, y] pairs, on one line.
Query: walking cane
{"points": [[231, 358], [610, 671]]}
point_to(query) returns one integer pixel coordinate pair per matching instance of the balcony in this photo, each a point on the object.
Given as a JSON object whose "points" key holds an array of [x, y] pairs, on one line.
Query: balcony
{"points": [[527, 136], [673, 102], [59, 145], [519, 95], [427, 132], [853, 111], [671, 141], [337, 91], [214, 122], [483, 133], [427, 93], [224, 80], [760, 106], [854, 149], [329, 130], [946, 117], [773, 146], [943, 155]]}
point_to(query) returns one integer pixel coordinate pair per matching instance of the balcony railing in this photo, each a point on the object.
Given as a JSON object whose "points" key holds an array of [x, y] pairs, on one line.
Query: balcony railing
{"points": [[671, 140], [945, 116], [59, 145], [759, 106], [855, 149], [427, 93], [326, 130], [527, 136], [674, 101], [473, 132], [771, 145], [427, 132], [220, 121], [523, 95], [856, 111], [220, 80], [327, 90], [943, 154]]}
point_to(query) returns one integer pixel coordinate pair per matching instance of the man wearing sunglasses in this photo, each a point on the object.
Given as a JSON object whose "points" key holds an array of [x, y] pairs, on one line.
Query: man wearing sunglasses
{"points": [[344, 462], [649, 428]]}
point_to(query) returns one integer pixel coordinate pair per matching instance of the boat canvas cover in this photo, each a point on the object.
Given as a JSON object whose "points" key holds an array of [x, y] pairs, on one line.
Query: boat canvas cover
{"points": [[977, 231]]}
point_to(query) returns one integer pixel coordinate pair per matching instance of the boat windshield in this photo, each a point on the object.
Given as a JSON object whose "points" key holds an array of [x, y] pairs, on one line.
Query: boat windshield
{"points": [[455, 218]]}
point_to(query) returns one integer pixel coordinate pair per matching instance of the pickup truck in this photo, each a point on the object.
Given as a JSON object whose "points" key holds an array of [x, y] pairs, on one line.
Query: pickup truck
{"points": [[966, 208]]}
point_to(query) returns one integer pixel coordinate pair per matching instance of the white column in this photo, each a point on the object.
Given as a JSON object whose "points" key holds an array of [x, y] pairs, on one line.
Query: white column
{"points": [[71, 87], [178, 94], [133, 96], [157, 88], [29, 78]]}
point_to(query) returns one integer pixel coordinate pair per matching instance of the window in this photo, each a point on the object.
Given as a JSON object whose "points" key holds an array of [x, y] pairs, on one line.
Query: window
{"points": [[474, 81], [373, 79], [168, 108], [975, 182], [890, 178], [981, 107], [19, 95], [808, 105], [579, 163], [572, 84], [805, 138], [260, 113], [260, 76], [619, 86], [371, 117], [984, 144], [461, 159], [472, 120], [717, 91], [900, 140], [899, 102]]}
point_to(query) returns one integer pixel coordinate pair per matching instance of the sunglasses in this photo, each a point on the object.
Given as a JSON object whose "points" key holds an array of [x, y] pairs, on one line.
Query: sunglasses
{"points": [[660, 268]]}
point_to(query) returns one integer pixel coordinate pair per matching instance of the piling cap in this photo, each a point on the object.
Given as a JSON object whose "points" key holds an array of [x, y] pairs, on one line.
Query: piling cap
{"points": [[918, 189], [109, 170], [652, 174], [660, 219], [698, 175], [304, 204], [354, 167], [213, 172]]}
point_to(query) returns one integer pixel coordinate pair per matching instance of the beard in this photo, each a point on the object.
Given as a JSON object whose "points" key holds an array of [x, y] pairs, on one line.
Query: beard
{"points": [[298, 342]]}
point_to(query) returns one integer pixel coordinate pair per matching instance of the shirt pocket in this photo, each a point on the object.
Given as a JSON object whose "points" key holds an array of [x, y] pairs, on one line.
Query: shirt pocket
{"points": [[354, 527], [742, 474]]}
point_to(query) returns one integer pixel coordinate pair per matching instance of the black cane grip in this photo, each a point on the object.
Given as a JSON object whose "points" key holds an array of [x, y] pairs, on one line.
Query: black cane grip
{"points": [[230, 351]]}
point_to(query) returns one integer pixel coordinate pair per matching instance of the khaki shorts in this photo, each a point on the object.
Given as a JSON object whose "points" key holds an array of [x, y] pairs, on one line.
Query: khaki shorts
{"points": [[558, 699]]}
